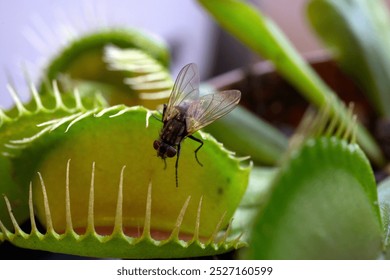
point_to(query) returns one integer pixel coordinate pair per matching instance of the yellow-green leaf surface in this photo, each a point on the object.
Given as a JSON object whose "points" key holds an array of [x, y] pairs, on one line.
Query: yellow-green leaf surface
{"points": [[109, 154]]}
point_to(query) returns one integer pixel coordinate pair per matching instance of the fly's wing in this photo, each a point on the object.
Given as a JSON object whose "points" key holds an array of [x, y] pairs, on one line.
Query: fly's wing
{"points": [[210, 108], [185, 90]]}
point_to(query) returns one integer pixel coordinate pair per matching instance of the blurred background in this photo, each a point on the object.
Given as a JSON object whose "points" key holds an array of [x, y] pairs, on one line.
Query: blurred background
{"points": [[32, 31]]}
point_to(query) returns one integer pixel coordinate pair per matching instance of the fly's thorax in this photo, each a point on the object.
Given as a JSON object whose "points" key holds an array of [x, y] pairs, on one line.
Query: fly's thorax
{"points": [[174, 130], [175, 112]]}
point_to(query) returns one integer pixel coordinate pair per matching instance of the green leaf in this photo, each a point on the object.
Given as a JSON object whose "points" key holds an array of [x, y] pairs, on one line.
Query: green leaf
{"points": [[322, 205], [357, 32], [261, 35]]}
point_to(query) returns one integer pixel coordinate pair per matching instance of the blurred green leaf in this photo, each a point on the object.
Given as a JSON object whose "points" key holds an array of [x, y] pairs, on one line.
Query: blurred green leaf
{"points": [[322, 205], [261, 35], [357, 32], [255, 195]]}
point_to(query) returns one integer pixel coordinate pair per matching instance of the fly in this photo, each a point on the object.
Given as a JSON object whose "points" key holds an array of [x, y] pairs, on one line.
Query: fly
{"points": [[187, 112]]}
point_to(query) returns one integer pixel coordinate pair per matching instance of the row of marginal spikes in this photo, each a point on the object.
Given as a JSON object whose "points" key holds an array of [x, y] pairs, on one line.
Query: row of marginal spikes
{"points": [[39, 107], [70, 120], [323, 123], [114, 111], [215, 240]]}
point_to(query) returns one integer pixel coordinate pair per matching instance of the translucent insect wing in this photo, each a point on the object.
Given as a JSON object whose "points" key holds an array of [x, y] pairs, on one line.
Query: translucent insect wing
{"points": [[185, 90], [210, 108]]}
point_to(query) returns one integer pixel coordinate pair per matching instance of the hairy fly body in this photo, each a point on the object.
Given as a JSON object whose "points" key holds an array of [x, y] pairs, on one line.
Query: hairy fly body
{"points": [[187, 112]]}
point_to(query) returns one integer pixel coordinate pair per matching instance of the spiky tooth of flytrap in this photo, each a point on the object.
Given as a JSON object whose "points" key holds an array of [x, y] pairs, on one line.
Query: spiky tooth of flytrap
{"points": [[148, 243]]}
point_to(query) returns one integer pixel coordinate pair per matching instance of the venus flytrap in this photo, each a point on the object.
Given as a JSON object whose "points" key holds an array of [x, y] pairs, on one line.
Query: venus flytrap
{"points": [[92, 178], [128, 205]]}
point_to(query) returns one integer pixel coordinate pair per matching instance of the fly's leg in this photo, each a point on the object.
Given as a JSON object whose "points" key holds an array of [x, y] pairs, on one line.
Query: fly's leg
{"points": [[163, 114], [197, 149], [165, 164], [177, 165], [164, 110]]}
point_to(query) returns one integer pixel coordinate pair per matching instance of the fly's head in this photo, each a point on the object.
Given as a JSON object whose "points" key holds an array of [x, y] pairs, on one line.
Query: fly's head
{"points": [[164, 150]]}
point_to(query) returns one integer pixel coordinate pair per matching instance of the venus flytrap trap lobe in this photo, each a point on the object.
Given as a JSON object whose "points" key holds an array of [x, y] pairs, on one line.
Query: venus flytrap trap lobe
{"points": [[126, 66], [322, 203], [146, 216]]}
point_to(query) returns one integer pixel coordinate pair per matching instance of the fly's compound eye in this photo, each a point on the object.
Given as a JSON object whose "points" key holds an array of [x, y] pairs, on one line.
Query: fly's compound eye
{"points": [[171, 152], [156, 144]]}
